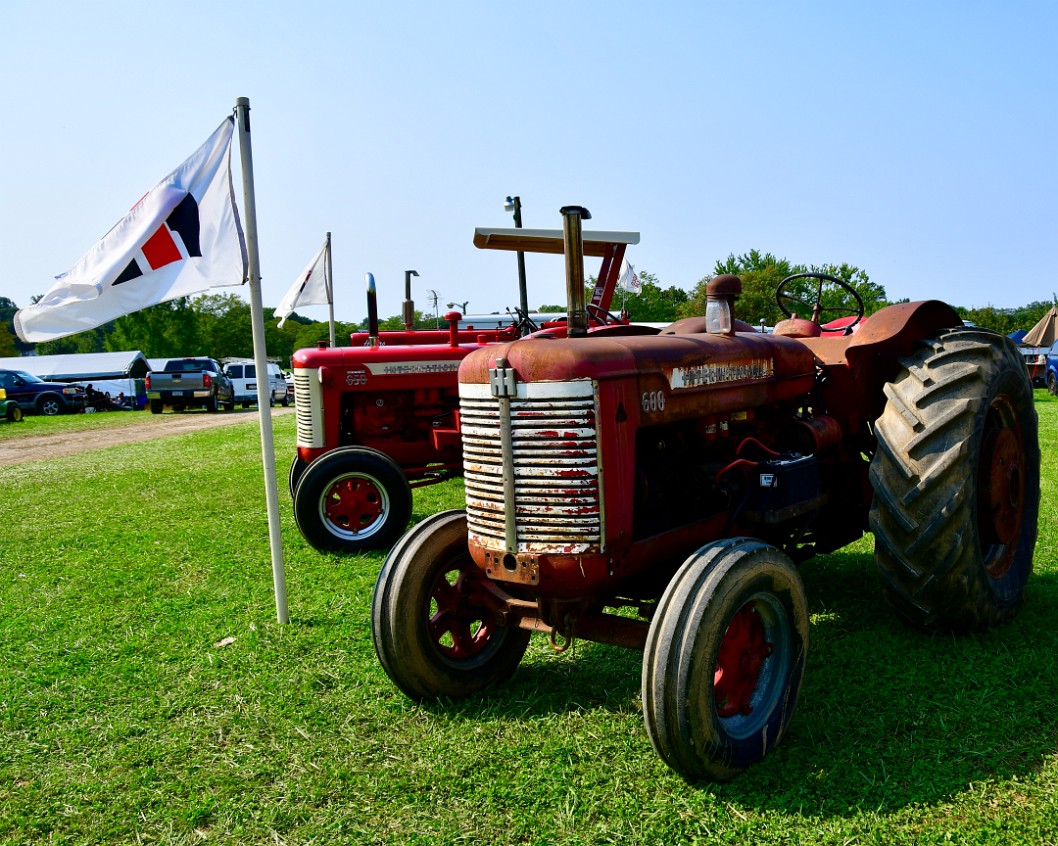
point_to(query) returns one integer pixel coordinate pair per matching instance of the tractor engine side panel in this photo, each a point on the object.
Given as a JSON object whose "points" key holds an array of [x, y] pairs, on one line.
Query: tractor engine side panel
{"points": [[401, 400]]}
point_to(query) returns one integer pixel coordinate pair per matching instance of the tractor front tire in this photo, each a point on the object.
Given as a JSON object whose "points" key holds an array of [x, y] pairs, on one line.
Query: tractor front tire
{"points": [[352, 499], [724, 659], [434, 616], [956, 480], [297, 468]]}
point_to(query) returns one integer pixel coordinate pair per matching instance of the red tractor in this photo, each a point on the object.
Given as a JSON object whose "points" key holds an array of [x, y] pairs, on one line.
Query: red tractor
{"points": [[379, 417], [657, 492]]}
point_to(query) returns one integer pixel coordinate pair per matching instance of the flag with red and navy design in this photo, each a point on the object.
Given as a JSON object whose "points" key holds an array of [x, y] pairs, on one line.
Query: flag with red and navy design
{"points": [[183, 237]]}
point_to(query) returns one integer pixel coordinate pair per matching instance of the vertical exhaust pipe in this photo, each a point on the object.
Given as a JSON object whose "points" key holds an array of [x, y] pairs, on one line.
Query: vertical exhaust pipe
{"points": [[573, 239], [409, 304], [372, 310]]}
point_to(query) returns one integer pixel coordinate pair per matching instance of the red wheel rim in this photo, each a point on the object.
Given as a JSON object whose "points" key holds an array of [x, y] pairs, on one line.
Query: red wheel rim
{"points": [[461, 624], [1001, 488], [739, 661], [354, 505]]}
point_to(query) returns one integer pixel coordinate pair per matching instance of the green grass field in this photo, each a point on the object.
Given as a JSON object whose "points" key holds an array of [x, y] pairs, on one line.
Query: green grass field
{"points": [[129, 715]]}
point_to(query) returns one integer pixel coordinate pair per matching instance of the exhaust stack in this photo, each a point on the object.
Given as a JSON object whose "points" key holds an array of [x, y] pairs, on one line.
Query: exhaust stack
{"points": [[409, 304], [372, 310], [573, 238]]}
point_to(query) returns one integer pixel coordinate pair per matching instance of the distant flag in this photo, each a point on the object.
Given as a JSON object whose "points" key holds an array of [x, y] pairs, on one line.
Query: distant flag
{"points": [[183, 237], [628, 280], [312, 287]]}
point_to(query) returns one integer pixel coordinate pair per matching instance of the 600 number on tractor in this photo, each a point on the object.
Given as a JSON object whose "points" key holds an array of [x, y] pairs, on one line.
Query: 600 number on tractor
{"points": [[685, 475]]}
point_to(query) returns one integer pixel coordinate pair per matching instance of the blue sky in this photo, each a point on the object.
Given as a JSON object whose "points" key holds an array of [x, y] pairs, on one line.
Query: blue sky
{"points": [[916, 141]]}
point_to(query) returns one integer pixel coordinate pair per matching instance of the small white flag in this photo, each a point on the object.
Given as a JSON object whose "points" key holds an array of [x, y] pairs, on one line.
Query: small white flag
{"points": [[628, 281], [183, 237], [310, 288]]}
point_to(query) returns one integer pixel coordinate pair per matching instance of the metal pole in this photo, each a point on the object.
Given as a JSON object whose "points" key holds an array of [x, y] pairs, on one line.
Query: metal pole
{"points": [[523, 292], [268, 458], [330, 290]]}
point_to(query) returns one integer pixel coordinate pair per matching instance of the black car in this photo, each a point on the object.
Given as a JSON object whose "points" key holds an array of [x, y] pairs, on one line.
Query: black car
{"points": [[34, 394]]}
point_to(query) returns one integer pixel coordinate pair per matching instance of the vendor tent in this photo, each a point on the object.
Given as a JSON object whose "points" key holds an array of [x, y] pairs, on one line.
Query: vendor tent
{"points": [[1044, 333], [81, 367]]}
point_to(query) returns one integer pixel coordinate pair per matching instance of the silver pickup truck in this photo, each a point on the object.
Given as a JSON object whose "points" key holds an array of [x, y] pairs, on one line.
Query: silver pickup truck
{"points": [[190, 383]]}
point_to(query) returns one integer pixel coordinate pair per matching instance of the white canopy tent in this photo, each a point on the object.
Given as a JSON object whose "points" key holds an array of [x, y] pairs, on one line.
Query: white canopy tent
{"points": [[80, 367]]}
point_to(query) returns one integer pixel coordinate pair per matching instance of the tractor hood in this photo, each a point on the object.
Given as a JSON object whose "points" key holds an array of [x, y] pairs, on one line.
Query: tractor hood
{"points": [[747, 368]]}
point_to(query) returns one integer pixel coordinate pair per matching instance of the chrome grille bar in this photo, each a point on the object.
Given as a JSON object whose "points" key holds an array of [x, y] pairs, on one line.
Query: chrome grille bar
{"points": [[554, 451]]}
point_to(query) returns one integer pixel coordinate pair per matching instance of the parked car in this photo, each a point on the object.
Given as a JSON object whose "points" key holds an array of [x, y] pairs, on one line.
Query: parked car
{"points": [[243, 375], [35, 395], [1050, 376], [9, 409], [290, 387], [188, 383]]}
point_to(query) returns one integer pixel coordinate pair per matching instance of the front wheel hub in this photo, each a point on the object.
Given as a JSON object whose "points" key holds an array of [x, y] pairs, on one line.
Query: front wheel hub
{"points": [[354, 504], [739, 660]]}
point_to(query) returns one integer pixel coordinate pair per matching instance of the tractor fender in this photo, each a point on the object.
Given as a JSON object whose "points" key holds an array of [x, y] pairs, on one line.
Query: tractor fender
{"points": [[860, 364]]}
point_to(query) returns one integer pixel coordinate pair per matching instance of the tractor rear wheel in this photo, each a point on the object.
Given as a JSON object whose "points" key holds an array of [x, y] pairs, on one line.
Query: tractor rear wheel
{"points": [[433, 616], [956, 480], [724, 659], [351, 499]]}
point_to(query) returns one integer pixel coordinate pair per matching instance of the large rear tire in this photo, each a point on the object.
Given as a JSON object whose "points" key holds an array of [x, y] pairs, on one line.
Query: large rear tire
{"points": [[433, 616], [352, 499], [724, 659], [956, 480]]}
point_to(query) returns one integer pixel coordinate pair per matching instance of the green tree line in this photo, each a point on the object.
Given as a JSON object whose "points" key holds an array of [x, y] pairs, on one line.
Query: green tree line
{"points": [[219, 324]]}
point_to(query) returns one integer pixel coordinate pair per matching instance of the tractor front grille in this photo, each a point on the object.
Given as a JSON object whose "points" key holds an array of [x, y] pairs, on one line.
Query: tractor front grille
{"points": [[308, 408], [556, 472]]}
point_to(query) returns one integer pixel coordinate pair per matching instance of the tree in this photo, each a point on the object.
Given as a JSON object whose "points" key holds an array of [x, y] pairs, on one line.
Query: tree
{"points": [[166, 330], [89, 341], [761, 274], [7, 322], [653, 304], [8, 345]]}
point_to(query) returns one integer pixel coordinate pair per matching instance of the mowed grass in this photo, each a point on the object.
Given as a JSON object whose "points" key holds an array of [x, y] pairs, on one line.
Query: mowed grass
{"points": [[148, 695]]}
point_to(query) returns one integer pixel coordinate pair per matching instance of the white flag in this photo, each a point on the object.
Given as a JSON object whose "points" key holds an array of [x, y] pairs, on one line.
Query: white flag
{"points": [[628, 281], [310, 288], [183, 237]]}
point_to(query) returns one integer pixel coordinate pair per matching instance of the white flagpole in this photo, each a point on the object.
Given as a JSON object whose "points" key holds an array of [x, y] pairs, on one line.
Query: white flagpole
{"points": [[264, 387], [330, 289]]}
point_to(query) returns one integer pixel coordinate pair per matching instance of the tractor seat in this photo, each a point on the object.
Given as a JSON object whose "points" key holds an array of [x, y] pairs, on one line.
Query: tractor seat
{"points": [[797, 327]]}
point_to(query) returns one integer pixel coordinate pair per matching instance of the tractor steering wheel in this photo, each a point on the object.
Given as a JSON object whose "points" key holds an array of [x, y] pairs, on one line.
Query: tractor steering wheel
{"points": [[601, 315], [784, 297]]}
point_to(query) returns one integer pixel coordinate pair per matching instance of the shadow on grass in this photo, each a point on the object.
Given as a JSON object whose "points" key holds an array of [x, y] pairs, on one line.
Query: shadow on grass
{"points": [[888, 716]]}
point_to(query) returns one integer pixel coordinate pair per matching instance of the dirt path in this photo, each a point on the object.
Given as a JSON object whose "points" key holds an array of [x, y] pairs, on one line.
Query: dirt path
{"points": [[147, 427]]}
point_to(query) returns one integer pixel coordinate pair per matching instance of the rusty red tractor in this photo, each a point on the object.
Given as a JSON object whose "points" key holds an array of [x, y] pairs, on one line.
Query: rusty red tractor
{"points": [[379, 417], [658, 492]]}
